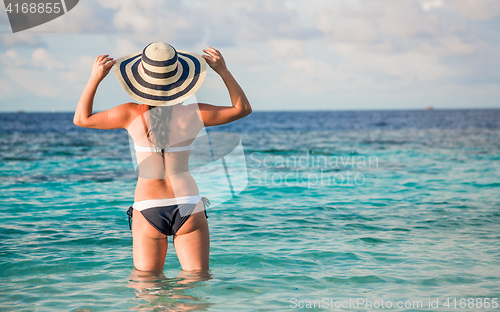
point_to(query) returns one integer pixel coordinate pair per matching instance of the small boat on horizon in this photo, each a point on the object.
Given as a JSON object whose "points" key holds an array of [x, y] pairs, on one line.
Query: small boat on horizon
{"points": [[428, 107]]}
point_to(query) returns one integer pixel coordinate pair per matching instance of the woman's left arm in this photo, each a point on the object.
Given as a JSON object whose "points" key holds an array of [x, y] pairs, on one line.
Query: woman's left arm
{"points": [[115, 118]]}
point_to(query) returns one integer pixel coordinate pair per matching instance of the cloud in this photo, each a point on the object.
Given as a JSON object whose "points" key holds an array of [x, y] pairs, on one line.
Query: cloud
{"points": [[77, 73], [286, 48], [399, 69], [125, 46], [138, 16], [478, 10], [448, 46], [376, 20], [262, 20], [430, 5], [307, 75], [87, 17], [18, 40], [5, 89], [405, 19], [185, 22], [33, 81], [43, 74], [243, 56], [41, 58], [11, 58]]}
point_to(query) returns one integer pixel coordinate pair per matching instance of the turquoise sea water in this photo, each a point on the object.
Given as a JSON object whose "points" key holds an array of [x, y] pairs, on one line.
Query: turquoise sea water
{"points": [[394, 205]]}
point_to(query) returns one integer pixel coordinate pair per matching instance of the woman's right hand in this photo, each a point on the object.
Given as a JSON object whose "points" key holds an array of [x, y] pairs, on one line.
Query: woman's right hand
{"points": [[215, 60]]}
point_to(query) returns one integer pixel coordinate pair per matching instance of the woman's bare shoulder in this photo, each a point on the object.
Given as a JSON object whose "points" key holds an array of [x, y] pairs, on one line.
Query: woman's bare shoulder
{"points": [[135, 111]]}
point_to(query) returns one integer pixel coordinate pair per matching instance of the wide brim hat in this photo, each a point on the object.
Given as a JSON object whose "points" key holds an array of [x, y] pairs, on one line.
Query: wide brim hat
{"points": [[161, 75]]}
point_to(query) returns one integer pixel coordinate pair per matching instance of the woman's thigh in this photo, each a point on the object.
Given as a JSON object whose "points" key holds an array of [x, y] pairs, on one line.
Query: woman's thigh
{"points": [[192, 243], [150, 246]]}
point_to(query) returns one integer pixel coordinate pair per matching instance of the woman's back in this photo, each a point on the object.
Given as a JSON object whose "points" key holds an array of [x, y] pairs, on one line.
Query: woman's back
{"points": [[163, 157]]}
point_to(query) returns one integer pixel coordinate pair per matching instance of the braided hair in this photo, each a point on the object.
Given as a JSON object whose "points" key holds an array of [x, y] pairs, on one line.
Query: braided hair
{"points": [[158, 129]]}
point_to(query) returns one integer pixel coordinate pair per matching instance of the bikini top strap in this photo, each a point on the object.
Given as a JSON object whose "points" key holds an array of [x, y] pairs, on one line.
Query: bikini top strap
{"points": [[144, 124]]}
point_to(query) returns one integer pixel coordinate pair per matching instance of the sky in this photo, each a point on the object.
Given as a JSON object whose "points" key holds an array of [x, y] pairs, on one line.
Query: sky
{"points": [[286, 54]]}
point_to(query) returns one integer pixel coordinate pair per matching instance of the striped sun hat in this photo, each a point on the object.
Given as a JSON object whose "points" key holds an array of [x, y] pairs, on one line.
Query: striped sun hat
{"points": [[160, 75]]}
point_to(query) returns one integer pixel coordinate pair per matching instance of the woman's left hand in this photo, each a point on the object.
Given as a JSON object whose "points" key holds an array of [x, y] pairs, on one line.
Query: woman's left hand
{"points": [[102, 66]]}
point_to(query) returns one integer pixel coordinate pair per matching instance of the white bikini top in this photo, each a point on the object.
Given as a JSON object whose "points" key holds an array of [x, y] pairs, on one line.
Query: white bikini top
{"points": [[166, 149]]}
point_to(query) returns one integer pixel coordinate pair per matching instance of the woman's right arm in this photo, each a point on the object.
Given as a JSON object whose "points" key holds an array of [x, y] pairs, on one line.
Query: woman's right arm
{"points": [[218, 115]]}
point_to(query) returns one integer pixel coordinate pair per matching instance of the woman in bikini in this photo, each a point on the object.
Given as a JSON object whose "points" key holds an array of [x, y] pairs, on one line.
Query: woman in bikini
{"points": [[167, 200]]}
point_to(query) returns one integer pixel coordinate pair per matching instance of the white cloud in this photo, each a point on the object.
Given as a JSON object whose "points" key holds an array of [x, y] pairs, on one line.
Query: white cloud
{"points": [[19, 40], [77, 72], [478, 10], [287, 48], [5, 89], [11, 58], [393, 69], [34, 81], [307, 75], [213, 82], [448, 46], [404, 19], [43, 74], [346, 25], [87, 17], [242, 56], [41, 58], [434, 4], [125, 46], [134, 15]]}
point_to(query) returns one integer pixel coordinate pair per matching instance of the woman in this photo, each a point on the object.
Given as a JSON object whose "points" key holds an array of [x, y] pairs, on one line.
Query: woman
{"points": [[166, 200]]}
